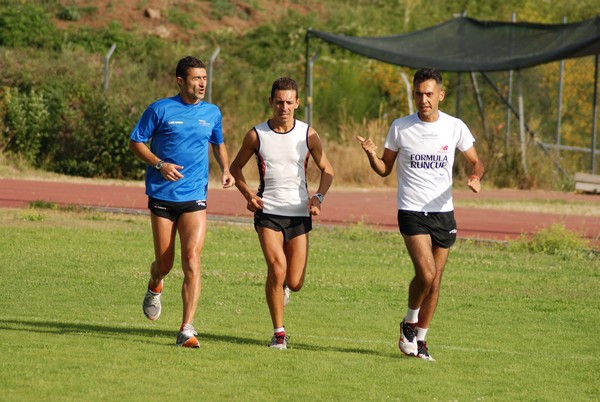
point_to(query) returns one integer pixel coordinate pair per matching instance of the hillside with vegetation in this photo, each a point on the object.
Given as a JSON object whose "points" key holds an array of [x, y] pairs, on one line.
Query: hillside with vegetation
{"points": [[55, 114]]}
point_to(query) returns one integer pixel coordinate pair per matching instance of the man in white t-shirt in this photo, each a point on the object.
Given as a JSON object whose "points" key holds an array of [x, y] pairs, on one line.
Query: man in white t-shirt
{"points": [[282, 205], [423, 144]]}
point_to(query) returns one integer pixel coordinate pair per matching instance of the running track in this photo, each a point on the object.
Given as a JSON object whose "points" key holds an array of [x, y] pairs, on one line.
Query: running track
{"points": [[341, 207]]}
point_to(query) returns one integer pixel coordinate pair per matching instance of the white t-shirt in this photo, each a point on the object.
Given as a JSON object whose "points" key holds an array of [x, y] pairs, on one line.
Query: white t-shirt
{"points": [[425, 159], [282, 160]]}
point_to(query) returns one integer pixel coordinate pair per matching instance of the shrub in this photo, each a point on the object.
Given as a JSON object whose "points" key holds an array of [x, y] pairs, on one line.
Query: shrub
{"points": [[27, 121], [24, 25], [555, 240]]}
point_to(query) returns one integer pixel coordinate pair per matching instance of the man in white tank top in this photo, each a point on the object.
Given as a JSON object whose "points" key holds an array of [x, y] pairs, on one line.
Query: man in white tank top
{"points": [[423, 144], [282, 205]]}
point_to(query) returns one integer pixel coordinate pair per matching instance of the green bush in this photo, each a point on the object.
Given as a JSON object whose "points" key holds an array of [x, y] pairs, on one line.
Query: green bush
{"points": [[69, 14], [27, 25], [555, 240], [27, 121]]}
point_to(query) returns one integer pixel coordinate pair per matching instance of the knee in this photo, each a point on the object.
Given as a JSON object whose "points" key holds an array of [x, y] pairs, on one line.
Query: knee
{"points": [[295, 287], [161, 267], [190, 257], [276, 274], [426, 277]]}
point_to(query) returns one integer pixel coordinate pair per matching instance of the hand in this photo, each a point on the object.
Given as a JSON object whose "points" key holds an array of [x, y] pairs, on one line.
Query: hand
{"points": [[170, 171], [254, 203], [314, 206], [474, 183], [227, 179], [367, 145]]}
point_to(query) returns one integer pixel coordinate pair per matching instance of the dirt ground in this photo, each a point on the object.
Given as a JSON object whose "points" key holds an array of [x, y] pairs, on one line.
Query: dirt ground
{"points": [[373, 207], [163, 18]]}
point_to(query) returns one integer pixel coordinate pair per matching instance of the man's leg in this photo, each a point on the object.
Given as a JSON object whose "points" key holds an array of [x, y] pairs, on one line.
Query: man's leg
{"points": [[191, 227], [271, 242], [429, 262], [430, 302], [420, 250], [163, 233], [192, 230], [296, 252]]}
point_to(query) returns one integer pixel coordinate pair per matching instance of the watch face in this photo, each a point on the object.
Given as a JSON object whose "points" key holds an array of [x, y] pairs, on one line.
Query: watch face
{"points": [[159, 165]]}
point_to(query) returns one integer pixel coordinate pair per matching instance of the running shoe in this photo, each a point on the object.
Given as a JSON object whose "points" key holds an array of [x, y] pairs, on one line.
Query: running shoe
{"points": [[423, 352], [286, 296], [279, 341], [408, 338], [187, 337], [151, 305]]}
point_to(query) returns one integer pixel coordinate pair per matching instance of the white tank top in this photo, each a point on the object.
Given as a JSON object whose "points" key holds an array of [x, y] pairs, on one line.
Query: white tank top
{"points": [[282, 160]]}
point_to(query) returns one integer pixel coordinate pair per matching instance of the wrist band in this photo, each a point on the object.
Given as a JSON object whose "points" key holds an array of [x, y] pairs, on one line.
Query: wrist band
{"points": [[474, 177]]}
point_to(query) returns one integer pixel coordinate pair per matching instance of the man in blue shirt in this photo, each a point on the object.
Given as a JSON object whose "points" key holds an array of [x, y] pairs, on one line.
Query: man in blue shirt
{"points": [[180, 130]]}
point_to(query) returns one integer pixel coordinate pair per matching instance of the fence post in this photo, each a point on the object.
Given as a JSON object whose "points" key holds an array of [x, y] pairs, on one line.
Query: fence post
{"points": [[210, 74], [559, 101], [106, 62], [595, 115]]}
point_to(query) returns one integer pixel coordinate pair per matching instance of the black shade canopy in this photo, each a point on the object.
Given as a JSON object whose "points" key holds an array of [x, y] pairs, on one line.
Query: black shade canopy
{"points": [[465, 44]]}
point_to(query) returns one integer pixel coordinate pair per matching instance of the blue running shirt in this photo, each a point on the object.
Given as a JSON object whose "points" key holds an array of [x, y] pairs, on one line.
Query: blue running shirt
{"points": [[179, 134]]}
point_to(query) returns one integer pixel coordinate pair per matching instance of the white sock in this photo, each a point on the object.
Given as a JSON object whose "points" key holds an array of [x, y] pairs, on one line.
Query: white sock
{"points": [[412, 316], [276, 330], [421, 333]]}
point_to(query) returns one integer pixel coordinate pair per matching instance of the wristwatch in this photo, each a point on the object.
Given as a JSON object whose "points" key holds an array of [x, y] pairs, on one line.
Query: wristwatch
{"points": [[320, 197], [159, 165]]}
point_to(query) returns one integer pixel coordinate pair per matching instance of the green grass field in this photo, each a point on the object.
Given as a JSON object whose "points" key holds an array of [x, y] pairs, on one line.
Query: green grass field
{"points": [[511, 324]]}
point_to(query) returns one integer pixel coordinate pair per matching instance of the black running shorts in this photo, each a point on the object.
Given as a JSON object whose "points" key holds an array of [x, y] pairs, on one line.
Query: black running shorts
{"points": [[172, 210], [441, 226], [291, 226]]}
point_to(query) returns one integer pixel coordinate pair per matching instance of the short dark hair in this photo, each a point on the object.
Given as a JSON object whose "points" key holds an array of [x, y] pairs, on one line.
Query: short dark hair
{"points": [[283, 84], [425, 74], [185, 64]]}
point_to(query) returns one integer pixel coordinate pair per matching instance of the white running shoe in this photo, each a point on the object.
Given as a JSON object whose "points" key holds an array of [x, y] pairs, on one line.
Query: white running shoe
{"points": [[151, 305], [279, 341], [423, 352], [408, 339], [187, 337], [286, 296]]}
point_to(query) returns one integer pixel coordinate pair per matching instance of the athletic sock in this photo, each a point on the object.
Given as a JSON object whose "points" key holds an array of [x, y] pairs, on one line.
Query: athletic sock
{"points": [[421, 333], [278, 330], [412, 316], [157, 289]]}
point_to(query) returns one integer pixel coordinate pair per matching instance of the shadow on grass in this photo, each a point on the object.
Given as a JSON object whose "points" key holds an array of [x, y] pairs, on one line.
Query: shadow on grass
{"points": [[62, 328]]}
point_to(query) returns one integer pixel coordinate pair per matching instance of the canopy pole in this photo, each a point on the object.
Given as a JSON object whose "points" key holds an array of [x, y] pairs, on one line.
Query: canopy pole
{"points": [[458, 93], [522, 123], [509, 96], [480, 105], [561, 72], [595, 115], [411, 109]]}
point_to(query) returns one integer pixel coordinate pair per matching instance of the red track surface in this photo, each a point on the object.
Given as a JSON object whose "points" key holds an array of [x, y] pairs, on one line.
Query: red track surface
{"points": [[342, 207]]}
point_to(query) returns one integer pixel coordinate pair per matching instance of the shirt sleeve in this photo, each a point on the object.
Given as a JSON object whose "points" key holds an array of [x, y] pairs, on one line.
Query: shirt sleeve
{"points": [[465, 138], [143, 130], [391, 142], [216, 136]]}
